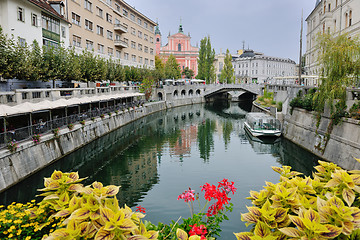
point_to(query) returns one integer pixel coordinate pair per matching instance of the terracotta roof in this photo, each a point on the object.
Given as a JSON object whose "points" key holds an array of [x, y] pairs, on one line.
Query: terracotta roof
{"points": [[44, 5]]}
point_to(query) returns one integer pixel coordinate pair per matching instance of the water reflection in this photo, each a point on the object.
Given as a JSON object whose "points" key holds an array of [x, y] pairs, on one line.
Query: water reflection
{"points": [[157, 157]]}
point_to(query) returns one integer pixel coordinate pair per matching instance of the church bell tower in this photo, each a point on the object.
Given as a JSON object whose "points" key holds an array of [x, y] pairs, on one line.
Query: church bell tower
{"points": [[157, 39]]}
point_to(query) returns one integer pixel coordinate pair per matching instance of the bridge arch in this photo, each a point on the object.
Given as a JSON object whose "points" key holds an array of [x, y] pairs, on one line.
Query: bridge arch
{"points": [[183, 93], [198, 92], [160, 96], [191, 92], [176, 93]]}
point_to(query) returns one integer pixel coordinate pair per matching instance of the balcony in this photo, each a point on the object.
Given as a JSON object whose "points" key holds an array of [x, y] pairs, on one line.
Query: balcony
{"points": [[120, 43], [120, 28]]}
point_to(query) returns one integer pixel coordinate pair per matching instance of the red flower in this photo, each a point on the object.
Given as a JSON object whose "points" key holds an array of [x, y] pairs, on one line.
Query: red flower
{"points": [[140, 209], [219, 193], [200, 231]]}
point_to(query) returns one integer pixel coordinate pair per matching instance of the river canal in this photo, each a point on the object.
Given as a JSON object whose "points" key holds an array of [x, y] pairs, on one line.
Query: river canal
{"points": [[156, 158]]}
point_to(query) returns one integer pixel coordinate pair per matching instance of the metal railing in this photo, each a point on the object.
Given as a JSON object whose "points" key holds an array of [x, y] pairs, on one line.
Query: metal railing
{"points": [[24, 133], [35, 95]]}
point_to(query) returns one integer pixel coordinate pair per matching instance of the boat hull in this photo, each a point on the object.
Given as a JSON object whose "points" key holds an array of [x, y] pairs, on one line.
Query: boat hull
{"points": [[262, 133]]}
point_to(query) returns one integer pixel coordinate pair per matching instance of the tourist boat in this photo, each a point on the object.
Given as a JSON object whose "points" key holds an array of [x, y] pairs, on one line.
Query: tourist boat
{"points": [[262, 125]]}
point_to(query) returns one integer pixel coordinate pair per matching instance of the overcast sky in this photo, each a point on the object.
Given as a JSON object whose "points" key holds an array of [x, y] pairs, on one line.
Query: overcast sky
{"points": [[268, 26]]}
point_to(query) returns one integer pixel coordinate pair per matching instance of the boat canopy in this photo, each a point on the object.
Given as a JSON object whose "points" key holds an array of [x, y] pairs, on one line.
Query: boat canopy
{"points": [[262, 121]]}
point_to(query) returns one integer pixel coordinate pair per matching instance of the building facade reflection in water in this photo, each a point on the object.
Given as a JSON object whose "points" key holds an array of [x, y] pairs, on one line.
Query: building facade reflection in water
{"points": [[156, 158]]}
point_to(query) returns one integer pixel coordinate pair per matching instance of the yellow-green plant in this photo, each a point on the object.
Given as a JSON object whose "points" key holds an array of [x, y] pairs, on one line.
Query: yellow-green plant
{"points": [[89, 212], [325, 206]]}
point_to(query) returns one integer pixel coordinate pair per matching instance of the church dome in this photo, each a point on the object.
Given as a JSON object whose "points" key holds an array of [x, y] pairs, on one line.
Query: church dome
{"points": [[248, 53]]}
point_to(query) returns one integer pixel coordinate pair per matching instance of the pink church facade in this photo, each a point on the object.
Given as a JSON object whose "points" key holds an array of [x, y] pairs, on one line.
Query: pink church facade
{"points": [[179, 45]]}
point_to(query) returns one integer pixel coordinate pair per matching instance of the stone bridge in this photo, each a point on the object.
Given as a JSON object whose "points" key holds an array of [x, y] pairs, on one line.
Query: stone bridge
{"points": [[208, 91], [235, 92]]}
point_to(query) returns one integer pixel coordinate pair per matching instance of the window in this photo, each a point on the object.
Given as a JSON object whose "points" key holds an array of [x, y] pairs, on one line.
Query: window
{"points": [[152, 62], [76, 41], [51, 24], [88, 25], [145, 24], [75, 19], [117, 37], [140, 47], [126, 40], [100, 48], [89, 45], [133, 44], [99, 12], [179, 47], [110, 35], [146, 49], [151, 51], [117, 6], [145, 37], [151, 40], [139, 21], [110, 51], [109, 2], [63, 31], [21, 14], [117, 21], [34, 20], [118, 54], [133, 58], [132, 17], [139, 34], [350, 18], [146, 61], [22, 42], [126, 56], [125, 12], [133, 32], [140, 60], [109, 18], [100, 30], [88, 5]]}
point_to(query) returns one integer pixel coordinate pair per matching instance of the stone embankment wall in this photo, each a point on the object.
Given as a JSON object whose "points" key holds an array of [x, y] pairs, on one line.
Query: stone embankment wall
{"points": [[344, 143], [31, 157]]}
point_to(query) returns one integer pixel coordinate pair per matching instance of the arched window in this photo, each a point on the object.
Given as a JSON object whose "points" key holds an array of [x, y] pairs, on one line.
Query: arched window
{"points": [[158, 39], [179, 47]]}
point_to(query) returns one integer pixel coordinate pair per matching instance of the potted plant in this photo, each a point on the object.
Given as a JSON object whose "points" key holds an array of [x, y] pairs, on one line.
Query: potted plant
{"points": [[36, 138], [12, 146]]}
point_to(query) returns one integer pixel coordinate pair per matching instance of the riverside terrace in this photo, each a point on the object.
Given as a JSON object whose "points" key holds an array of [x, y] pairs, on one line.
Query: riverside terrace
{"points": [[27, 112]]}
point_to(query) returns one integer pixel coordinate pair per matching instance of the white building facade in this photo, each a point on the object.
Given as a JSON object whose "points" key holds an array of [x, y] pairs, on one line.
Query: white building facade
{"points": [[329, 16], [251, 67], [29, 20]]}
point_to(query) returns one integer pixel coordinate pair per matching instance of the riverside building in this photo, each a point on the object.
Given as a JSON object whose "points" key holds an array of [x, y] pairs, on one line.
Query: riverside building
{"points": [[253, 67], [40, 20], [179, 45], [333, 17], [112, 29]]}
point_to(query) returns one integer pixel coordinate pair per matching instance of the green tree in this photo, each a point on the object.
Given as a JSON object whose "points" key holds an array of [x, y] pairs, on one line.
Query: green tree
{"points": [[72, 69], [172, 70], [146, 87], [159, 72], [340, 68], [188, 73], [206, 68], [5, 52], [227, 73], [36, 64]]}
